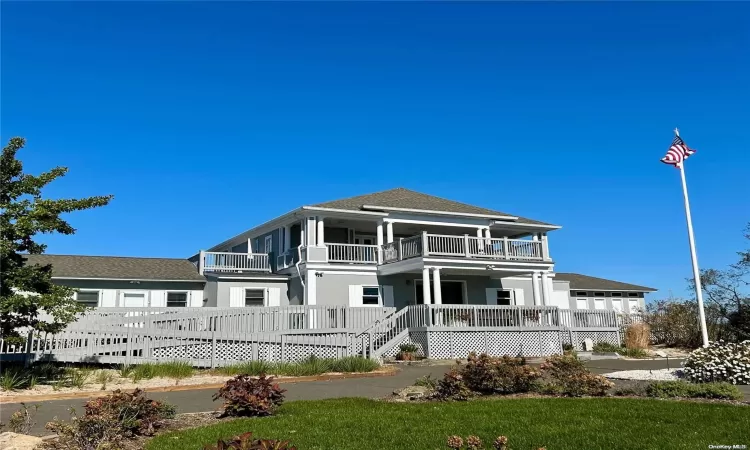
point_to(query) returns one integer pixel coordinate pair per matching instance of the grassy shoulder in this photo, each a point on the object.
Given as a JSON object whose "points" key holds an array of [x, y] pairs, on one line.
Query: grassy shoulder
{"points": [[557, 423]]}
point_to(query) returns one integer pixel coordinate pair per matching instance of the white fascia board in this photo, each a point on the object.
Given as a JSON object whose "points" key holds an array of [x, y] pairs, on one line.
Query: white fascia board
{"points": [[541, 265], [439, 213], [345, 212], [442, 224], [261, 229], [611, 290], [341, 268], [127, 279], [526, 225]]}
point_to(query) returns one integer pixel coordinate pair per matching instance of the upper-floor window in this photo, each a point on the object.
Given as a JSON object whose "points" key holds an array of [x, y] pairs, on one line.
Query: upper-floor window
{"points": [[370, 295], [88, 298], [632, 294], [617, 294], [581, 294], [255, 297], [504, 297], [598, 294], [176, 299]]}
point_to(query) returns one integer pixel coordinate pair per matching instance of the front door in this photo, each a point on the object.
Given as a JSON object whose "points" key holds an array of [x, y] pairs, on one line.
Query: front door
{"points": [[452, 292]]}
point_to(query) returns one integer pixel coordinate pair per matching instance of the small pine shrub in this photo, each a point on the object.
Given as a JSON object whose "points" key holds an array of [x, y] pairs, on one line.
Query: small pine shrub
{"points": [[720, 361], [682, 389], [245, 441], [247, 396]]}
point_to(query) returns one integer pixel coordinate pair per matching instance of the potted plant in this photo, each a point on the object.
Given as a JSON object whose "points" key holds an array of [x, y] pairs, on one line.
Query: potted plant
{"points": [[407, 352]]}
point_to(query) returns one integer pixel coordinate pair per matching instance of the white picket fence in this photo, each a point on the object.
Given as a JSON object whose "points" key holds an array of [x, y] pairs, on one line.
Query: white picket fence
{"points": [[210, 337]]}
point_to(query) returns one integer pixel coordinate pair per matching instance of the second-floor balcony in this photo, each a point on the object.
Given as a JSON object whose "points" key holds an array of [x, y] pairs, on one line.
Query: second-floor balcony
{"points": [[226, 262]]}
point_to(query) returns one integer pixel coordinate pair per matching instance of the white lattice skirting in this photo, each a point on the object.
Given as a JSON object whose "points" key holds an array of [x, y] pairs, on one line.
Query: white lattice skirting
{"points": [[458, 344], [576, 338]]}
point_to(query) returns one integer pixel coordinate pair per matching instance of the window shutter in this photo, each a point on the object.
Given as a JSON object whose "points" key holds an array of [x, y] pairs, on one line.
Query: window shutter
{"points": [[273, 297], [108, 298], [236, 297], [491, 296], [158, 299], [196, 299], [355, 295], [387, 295], [518, 294]]}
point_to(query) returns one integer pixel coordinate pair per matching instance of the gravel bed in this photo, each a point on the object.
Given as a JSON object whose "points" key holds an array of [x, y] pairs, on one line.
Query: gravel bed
{"points": [[658, 374]]}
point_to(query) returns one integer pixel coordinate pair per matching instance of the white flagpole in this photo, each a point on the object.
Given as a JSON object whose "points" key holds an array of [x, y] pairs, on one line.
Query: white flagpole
{"points": [[696, 271]]}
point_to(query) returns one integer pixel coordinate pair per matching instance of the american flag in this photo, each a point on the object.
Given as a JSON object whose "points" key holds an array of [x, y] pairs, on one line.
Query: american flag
{"points": [[677, 153]]}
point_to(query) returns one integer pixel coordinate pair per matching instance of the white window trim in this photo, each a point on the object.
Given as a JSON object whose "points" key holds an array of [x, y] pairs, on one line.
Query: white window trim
{"points": [[380, 296], [265, 296], [146, 297], [98, 295], [512, 295], [187, 298]]}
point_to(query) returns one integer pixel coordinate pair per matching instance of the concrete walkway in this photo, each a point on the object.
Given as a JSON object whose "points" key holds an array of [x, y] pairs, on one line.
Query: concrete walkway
{"points": [[200, 399]]}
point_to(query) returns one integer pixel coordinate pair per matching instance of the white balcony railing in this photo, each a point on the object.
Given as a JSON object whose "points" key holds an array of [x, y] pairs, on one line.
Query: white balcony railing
{"points": [[463, 246], [352, 253], [234, 262]]}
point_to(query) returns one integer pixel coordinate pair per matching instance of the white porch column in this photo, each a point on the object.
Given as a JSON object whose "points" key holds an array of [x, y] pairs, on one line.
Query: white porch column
{"points": [[302, 229], [320, 234], [389, 232], [311, 287], [426, 285], [546, 294], [379, 237], [487, 234], [479, 233], [310, 229], [436, 286], [535, 288]]}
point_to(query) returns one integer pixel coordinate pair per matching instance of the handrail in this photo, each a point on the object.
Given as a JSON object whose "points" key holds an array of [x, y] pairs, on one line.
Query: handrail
{"points": [[235, 262]]}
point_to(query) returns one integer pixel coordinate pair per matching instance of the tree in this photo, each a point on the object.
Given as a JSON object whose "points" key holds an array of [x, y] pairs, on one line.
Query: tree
{"points": [[28, 298], [727, 290]]}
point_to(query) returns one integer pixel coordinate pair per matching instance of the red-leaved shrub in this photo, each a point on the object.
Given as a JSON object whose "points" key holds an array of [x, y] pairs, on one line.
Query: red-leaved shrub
{"points": [[244, 395]]}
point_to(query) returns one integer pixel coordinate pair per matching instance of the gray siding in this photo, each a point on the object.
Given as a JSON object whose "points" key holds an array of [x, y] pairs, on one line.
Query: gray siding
{"points": [[210, 293], [333, 289], [241, 248], [336, 235], [296, 292]]}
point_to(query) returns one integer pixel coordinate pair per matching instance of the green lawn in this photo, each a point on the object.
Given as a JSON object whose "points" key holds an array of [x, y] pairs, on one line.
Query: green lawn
{"points": [[576, 424]]}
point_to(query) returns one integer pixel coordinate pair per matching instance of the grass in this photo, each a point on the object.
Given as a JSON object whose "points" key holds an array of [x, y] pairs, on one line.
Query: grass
{"points": [[306, 367], [572, 424], [173, 369]]}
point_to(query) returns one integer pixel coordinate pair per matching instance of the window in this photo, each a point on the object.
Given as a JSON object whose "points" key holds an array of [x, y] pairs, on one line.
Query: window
{"points": [[268, 244], [176, 299], [370, 295], [504, 297], [598, 294], [581, 294], [255, 297], [632, 294], [617, 294], [88, 298]]}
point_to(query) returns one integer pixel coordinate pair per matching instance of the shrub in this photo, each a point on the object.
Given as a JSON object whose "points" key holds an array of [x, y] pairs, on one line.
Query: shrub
{"points": [[245, 441], [247, 396], [672, 389], [108, 420], [12, 379], [633, 352], [606, 347], [407, 352], [22, 421], [78, 377], [505, 375], [354, 364], [473, 442], [452, 387], [426, 381], [720, 361], [566, 375], [637, 335]]}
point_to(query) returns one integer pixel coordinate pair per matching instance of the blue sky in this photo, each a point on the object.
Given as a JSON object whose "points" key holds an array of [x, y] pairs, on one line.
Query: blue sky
{"points": [[201, 117]]}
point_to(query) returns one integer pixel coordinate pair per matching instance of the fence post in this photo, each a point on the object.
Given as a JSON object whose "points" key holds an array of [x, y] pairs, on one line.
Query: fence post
{"points": [[400, 249], [29, 347], [425, 248], [506, 250], [129, 347], [213, 348], [466, 245], [282, 342]]}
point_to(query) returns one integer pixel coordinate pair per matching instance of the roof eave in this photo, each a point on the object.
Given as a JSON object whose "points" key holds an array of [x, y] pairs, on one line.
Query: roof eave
{"points": [[440, 213], [192, 280]]}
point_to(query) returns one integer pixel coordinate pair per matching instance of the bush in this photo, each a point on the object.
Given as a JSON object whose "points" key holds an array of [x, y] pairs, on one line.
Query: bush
{"points": [[637, 335], [452, 387], [606, 347], [505, 375], [720, 361], [426, 381], [566, 375], [247, 396], [107, 420], [682, 389], [245, 441]]}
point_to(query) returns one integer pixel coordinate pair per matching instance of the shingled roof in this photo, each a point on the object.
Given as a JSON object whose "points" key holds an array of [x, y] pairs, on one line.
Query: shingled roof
{"points": [[585, 282], [406, 198], [118, 267]]}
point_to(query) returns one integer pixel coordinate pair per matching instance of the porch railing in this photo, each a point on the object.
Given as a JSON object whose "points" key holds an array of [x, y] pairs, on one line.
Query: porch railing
{"points": [[287, 259], [463, 246], [234, 262], [483, 316], [352, 253]]}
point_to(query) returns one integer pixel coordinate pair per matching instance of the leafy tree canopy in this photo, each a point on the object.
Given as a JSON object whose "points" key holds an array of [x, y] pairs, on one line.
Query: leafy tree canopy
{"points": [[28, 298]]}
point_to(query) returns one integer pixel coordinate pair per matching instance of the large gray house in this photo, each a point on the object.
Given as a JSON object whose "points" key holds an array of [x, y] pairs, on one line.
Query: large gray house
{"points": [[391, 248]]}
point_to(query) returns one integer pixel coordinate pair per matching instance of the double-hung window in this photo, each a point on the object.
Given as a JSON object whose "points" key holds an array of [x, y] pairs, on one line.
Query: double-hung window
{"points": [[370, 295], [88, 298], [504, 297], [255, 297], [176, 299]]}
